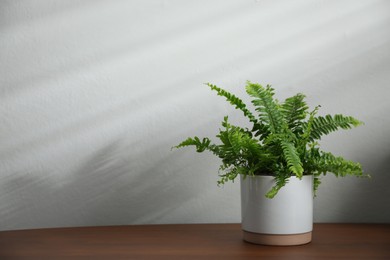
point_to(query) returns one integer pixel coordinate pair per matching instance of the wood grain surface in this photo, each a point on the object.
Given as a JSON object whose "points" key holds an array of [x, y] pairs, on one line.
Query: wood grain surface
{"points": [[191, 241]]}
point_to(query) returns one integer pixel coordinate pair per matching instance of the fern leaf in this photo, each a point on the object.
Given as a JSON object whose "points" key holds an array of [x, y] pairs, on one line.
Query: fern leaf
{"points": [[266, 106], [316, 183], [294, 110], [237, 102], [201, 146], [293, 161], [327, 162], [307, 129], [325, 125], [280, 181]]}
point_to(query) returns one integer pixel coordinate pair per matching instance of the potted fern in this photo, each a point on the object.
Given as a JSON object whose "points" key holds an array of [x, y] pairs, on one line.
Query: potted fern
{"points": [[281, 150]]}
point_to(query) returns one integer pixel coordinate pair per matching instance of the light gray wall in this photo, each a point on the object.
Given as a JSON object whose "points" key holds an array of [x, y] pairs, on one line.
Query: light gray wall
{"points": [[93, 94]]}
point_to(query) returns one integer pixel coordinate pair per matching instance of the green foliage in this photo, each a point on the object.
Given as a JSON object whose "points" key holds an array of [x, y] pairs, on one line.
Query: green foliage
{"points": [[294, 110], [325, 125], [238, 103], [282, 142]]}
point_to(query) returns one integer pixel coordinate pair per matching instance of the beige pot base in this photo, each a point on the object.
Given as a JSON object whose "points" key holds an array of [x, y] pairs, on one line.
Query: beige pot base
{"points": [[277, 240]]}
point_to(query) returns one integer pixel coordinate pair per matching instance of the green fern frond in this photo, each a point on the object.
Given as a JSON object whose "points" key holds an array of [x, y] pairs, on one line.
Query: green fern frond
{"points": [[239, 142], [294, 110], [201, 146], [240, 151], [235, 101], [230, 174], [292, 157], [258, 128], [280, 181], [267, 107], [307, 129], [327, 162], [325, 125], [316, 183]]}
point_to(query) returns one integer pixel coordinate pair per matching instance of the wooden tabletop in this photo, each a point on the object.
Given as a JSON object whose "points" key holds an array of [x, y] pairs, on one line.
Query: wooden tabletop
{"points": [[194, 241]]}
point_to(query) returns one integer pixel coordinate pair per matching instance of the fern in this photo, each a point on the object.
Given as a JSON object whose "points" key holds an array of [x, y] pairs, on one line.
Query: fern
{"points": [[266, 106], [237, 102], [201, 146], [294, 110], [324, 162], [271, 113], [281, 181], [282, 141], [292, 158], [258, 128], [325, 125]]}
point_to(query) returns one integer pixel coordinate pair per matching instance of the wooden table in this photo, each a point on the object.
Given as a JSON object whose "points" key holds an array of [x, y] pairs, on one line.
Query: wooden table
{"points": [[195, 241]]}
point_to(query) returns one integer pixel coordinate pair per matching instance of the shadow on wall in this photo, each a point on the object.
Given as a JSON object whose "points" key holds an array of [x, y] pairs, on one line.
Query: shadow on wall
{"points": [[356, 200], [107, 190], [367, 197], [123, 48], [137, 190]]}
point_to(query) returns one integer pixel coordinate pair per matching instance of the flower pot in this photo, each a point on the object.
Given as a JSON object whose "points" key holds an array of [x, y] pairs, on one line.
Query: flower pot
{"points": [[287, 219]]}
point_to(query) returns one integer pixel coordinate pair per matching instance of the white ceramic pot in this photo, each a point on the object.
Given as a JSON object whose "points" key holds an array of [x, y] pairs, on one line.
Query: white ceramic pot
{"points": [[287, 219]]}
